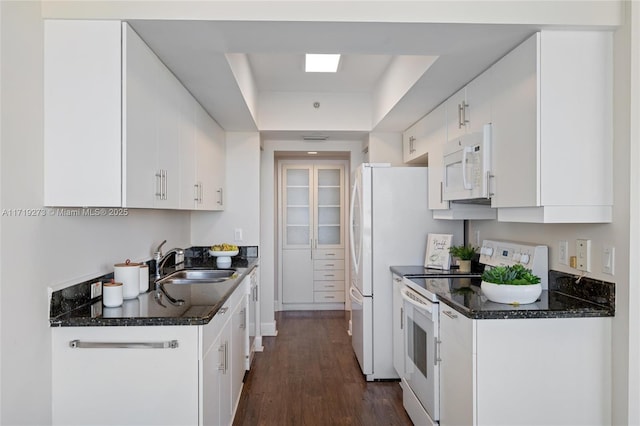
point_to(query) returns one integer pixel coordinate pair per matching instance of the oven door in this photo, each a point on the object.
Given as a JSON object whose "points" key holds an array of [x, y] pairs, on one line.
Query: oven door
{"points": [[421, 335]]}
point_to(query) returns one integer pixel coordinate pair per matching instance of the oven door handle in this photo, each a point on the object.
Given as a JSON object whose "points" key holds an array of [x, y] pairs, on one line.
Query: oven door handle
{"points": [[423, 304]]}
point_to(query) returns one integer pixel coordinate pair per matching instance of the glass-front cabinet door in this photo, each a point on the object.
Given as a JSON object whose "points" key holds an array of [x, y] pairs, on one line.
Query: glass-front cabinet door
{"points": [[328, 214], [297, 197]]}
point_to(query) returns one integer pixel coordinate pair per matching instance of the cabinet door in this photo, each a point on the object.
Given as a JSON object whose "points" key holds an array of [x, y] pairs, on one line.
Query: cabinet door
{"points": [[210, 162], [479, 94], [436, 139], [168, 131], [456, 107], [82, 113], [414, 143], [297, 276], [328, 216], [133, 386], [188, 190], [514, 116], [297, 213], [457, 360], [216, 382], [239, 345], [140, 133]]}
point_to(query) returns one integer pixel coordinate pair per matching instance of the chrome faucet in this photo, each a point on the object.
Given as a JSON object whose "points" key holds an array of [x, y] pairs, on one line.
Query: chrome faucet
{"points": [[161, 259]]}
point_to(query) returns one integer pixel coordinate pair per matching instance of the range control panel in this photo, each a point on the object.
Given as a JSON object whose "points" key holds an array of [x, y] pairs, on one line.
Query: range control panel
{"points": [[505, 253]]}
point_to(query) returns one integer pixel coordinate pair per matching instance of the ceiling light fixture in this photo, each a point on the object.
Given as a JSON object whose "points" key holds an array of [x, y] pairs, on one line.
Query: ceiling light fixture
{"points": [[315, 138], [320, 62], [312, 152]]}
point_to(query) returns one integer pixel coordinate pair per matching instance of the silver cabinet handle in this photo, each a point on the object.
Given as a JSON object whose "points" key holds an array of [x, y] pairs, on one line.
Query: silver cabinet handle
{"points": [[411, 141], [221, 199], [243, 314], [78, 344], [462, 114], [488, 182], [195, 192], [401, 318], [450, 314], [223, 310], [223, 353], [159, 184]]}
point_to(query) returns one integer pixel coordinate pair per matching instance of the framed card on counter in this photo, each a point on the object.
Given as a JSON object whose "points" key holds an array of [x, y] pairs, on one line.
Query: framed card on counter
{"points": [[437, 256]]}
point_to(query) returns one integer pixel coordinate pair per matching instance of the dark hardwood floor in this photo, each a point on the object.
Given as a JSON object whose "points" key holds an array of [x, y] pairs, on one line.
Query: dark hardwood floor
{"points": [[309, 375]]}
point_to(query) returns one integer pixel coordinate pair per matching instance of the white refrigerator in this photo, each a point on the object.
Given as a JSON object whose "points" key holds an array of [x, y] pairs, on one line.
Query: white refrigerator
{"points": [[388, 225]]}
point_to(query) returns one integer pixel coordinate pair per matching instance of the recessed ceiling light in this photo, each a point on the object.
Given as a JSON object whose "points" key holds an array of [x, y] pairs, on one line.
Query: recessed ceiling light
{"points": [[312, 152], [320, 62]]}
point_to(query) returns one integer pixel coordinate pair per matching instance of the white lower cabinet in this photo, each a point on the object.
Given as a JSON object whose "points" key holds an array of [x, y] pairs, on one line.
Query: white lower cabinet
{"points": [[153, 375], [552, 371]]}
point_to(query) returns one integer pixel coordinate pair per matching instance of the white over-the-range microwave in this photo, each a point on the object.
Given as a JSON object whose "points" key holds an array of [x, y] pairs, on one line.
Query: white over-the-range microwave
{"points": [[467, 167]]}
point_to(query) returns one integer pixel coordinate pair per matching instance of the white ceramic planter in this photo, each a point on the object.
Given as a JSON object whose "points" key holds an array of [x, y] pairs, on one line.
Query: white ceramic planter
{"points": [[511, 294]]}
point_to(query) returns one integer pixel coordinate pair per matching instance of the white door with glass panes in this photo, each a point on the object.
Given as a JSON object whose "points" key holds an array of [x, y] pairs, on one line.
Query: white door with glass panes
{"points": [[312, 228]]}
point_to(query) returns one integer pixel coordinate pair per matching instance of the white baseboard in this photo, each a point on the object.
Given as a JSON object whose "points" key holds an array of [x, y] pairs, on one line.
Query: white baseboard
{"points": [[268, 329]]}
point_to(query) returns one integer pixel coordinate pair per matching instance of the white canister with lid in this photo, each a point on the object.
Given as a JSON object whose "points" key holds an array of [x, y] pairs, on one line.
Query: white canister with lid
{"points": [[128, 273], [112, 294], [144, 278]]}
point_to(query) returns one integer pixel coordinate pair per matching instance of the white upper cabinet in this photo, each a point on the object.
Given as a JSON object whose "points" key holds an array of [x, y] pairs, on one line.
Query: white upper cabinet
{"points": [[414, 144], [117, 121], [552, 129], [151, 120], [82, 113], [202, 160]]}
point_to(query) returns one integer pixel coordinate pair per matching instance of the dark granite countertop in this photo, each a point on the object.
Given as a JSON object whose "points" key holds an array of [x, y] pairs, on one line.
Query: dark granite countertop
{"points": [[564, 299], [202, 302]]}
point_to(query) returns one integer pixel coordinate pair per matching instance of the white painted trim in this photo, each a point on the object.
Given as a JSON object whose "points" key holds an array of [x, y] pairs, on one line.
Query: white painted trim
{"points": [[268, 329]]}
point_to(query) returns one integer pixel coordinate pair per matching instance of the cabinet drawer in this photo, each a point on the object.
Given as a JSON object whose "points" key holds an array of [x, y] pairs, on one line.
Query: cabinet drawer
{"points": [[328, 264], [328, 254], [328, 275], [328, 285], [328, 296]]}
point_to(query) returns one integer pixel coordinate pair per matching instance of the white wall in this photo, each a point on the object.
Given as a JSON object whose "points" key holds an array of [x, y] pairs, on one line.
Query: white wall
{"points": [[242, 197], [36, 252], [296, 111], [384, 147]]}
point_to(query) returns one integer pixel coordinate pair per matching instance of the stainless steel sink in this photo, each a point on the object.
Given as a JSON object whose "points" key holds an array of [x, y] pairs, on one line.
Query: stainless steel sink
{"points": [[198, 276]]}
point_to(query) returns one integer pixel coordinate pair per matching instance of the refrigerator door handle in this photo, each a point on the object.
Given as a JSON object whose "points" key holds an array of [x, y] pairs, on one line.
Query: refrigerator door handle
{"points": [[354, 296], [351, 236]]}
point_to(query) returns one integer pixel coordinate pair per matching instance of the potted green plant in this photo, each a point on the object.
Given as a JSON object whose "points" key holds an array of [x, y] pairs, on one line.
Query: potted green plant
{"points": [[464, 254], [514, 285]]}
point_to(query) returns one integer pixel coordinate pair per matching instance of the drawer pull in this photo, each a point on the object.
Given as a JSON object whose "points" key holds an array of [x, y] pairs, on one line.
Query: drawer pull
{"points": [[77, 344], [450, 314], [329, 275]]}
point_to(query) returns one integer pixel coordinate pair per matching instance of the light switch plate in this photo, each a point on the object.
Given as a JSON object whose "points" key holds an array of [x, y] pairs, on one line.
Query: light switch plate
{"points": [[96, 289], [583, 255], [608, 259], [563, 252]]}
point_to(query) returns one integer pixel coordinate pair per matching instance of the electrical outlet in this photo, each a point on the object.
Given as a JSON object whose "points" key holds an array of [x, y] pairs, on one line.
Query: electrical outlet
{"points": [[583, 255], [563, 252], [238, 235], [608, 259], [96, 289], [478, 242]]}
